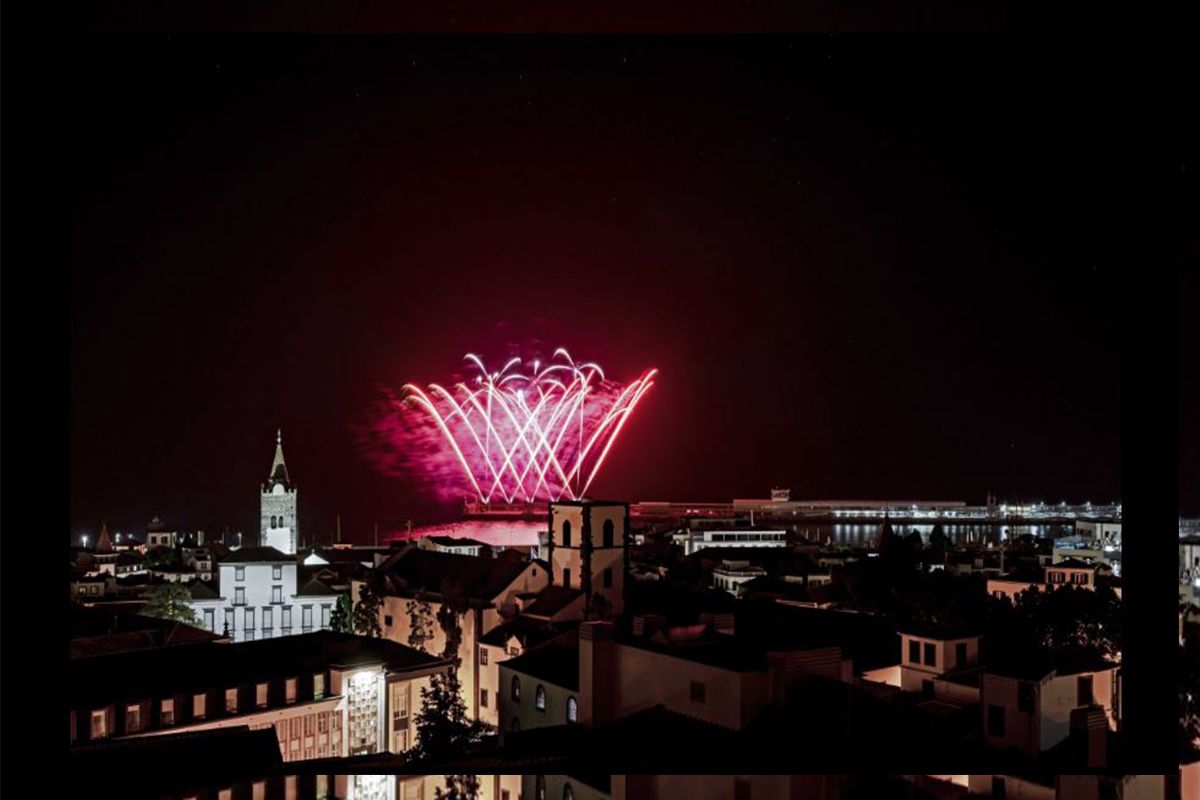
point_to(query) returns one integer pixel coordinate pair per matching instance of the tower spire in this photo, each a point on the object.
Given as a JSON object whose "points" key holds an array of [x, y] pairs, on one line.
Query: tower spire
{"points": [[278, 467]]}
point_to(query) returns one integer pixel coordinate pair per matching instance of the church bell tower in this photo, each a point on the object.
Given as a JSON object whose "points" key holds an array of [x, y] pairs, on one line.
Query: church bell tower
{"points": [[277, 503]]}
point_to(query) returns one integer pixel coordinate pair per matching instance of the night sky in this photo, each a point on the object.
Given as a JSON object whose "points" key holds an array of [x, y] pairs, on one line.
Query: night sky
{"points": [[865, 268]]}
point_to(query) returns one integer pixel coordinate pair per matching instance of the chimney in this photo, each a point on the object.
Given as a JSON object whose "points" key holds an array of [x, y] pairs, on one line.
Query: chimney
{"points": [[645, 625], [597, 667], [1089, 732]]}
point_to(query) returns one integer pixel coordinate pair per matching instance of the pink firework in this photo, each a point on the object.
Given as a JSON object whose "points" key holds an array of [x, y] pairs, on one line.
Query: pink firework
{"points": [[519, 436]]}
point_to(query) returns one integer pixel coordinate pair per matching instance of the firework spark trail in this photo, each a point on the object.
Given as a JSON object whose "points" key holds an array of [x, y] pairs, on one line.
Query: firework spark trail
{"points": [[516, 436]]}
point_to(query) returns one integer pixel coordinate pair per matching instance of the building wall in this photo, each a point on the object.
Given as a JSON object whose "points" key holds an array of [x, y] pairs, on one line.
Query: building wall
{"points": [[258, 585], [569, 557], [1059, 696], [646, 678], [524, 709], [1021, 728], [555, 786], [1014, 788], [914, 673]]}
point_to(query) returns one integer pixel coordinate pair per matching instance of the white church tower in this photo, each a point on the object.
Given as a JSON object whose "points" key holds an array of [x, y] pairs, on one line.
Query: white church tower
{"points": [[279, 527]]}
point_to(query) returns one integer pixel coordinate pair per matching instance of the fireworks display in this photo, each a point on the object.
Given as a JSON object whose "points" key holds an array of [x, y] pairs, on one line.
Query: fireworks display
{"points": [[514, 435]]}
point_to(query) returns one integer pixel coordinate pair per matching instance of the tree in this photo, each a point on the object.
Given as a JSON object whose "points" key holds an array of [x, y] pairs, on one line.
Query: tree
{"points": [[459, 787], [340, 619], [937, 538], [1087, 621], [443, 728], [171, 601], [420, 621], [1189, 691], [366, 611]]}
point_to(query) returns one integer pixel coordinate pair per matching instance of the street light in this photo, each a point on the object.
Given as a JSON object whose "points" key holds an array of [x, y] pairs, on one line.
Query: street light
{"points": [[84, 537]]}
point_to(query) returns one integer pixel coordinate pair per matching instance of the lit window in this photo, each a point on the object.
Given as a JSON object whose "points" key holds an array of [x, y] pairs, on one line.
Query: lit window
{"points": [[289, 787], [572, 710], [199, 706], [231, 701], [100, 724], [167, 712], [289, 690], [539, 698], [260, 695], [259, 791], [318, 685]]}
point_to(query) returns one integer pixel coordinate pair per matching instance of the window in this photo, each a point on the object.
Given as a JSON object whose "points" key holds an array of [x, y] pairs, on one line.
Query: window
{"points": [[133, 718], [276, 594], [516, 689], [608, 578], [239, 573], [483, 656], [995, 720], [210, 619], [225, 794], [927, 688], [199, 706], [960, 654], [566, 577], [568, 793], [100, 724], [318, 685], [287, 619], [566, 539], [741, 789], [540, 787], [289, 787], [607, 535], [231, 701], [930, 655], [483, 698], [259, 792], [1084, 691], [1025, 698], [914, 652], [268, 619], [306, 618], [539, 698], [325, 616], [289, 690], [322, 787], [387, 620], [277, 572], [696, 691], [239, 596], [166, 712], [228, 621], [572, 710], [249, 621]]}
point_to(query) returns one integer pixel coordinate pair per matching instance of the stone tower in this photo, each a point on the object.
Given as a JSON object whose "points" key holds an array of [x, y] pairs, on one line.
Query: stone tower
{"points": [[279, 526], [589, 551]]}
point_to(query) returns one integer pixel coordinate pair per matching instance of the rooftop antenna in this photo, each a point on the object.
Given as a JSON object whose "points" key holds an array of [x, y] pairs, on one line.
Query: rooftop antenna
{"points": [[339, 528]]}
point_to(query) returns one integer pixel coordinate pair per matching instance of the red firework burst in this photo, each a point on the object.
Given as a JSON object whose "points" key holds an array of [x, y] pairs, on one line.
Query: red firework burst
{"points": [[512, 435]]}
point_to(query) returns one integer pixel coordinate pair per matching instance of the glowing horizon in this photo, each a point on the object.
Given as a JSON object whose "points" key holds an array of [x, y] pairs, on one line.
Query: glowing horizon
{"points": [[515, 436]]}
